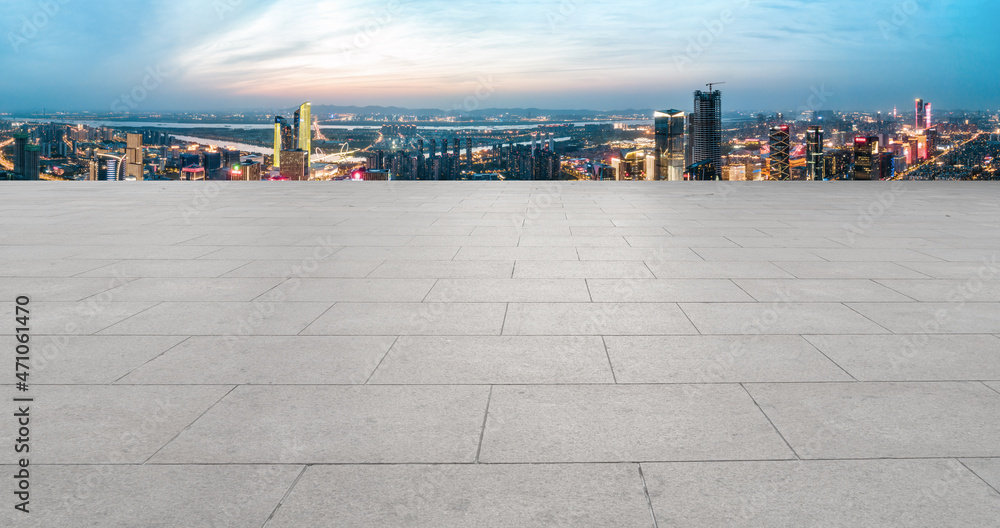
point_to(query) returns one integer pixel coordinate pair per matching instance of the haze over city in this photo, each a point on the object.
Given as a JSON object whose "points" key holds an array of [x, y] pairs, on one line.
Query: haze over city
{"points": [[224, 55]]}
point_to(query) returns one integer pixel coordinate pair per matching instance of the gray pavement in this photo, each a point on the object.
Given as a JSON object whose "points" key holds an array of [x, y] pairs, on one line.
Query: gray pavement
{"points": [[506, 354]]}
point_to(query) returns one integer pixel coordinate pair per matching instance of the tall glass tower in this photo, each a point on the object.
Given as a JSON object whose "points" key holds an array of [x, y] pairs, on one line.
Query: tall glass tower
{"points": [[706, 131], [669, 157], [780, 153], [814, 153], [303, 130]]}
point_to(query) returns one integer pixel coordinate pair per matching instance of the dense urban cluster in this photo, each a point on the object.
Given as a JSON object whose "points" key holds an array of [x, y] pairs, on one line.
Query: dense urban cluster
{"points": [[668, 145]]}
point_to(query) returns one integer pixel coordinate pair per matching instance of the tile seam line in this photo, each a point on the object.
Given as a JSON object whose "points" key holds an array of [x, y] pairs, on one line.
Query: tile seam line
{"points": [[482, 431], [150, 360], [285, 496], [188, 426], [369, 378], [155, 304], [995, 490], [610, 364], [645, 492], [849, 307], [775, 427], [806, 339]]}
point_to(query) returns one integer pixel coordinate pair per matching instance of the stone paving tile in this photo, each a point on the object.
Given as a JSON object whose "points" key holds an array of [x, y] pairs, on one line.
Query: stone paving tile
{"points": [[533, 269], [291, 253], [952, 270], [464, 241], [922, 318], [335, 424], [884, 420], [444, 269], [67, 360], [853, 270], [166, 268], [355, 290], [76, 318], [836, 493], [680, 242], [572, 241], [410, 319], [819, 290], [874, 255], [333, 269], [517, 253], [666, 290], [919, 357], [757, 254], [778, 318], [719, 359], [509, 290], [467, 495], [107, 424], [220, 318], [596, 319], [265, 360], [938, 290], [190, 289], [146, 252], [135, 495], [495, 360], [615, 423], [987, 469], [784, 242], [51, 289], [987, 254], [648, 255], [395, 253], [716, 270], [49, 267]]}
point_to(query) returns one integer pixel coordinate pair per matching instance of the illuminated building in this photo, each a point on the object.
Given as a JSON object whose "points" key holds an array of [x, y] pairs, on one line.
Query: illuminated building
{"points": [[780, 141], [920, 115], [814, 153], [293, 164], [133, 155], [303, 131], [866, 158], [705, 130], [20, 152], [927, 109], [193, 173], [32, 162], [886, 166], [283, 139], [669, 156]]}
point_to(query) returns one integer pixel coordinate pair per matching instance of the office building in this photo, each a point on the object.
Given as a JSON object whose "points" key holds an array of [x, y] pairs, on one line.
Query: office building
{"points": [[303, 131], [32, 162], [669, 158], [20, 152], [920, 115], [133, 157], [814, 153], [780, 141], [705, 134], [866, 158], [294, 164], [283, 139]]}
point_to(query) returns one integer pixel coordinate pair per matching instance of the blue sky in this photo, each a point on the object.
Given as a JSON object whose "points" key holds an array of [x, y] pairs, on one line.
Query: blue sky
{"points": [[243, 54]]}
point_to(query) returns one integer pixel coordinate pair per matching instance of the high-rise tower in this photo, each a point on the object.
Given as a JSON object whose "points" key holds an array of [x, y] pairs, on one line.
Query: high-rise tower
{"points": [[814, 153], [303, 131], [706, 133], [134, 157], [669, 157], [780, 153]]}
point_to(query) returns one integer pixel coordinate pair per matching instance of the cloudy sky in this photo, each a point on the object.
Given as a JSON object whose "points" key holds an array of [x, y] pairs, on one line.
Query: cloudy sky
{"points": [[244, 54]]}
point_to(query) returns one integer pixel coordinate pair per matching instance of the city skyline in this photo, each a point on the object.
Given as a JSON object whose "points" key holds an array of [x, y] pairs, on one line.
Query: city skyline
{"points": [[568, 54]]}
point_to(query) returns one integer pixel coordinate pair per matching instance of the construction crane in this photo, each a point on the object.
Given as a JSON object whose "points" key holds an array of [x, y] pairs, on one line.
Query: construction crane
{"points": [[710, 85]]}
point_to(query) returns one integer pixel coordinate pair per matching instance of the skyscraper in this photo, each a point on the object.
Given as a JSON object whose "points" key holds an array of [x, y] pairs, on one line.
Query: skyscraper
{"points": [[669, 157], [920, 115], [866, 158], [927, 109], [814, 153], [706, 133], [32, 162], [283, 139], [781, 149], [303, 130], [20, 149], [133, 155]]}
